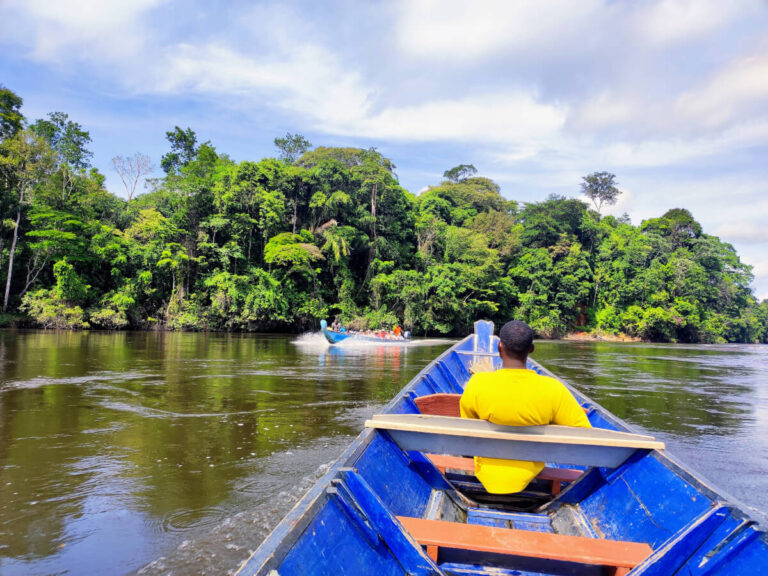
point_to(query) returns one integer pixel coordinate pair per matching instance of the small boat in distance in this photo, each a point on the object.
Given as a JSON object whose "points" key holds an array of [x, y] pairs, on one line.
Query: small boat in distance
{"points": [[336, 336], [403, 498]]}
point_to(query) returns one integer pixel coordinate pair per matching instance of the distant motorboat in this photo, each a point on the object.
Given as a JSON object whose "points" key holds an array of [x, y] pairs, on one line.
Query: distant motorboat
{"points": [[336, 336]]}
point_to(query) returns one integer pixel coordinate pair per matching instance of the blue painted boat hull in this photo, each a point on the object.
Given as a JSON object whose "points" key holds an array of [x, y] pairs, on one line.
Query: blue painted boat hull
{"points": [[336, 337], [346, 523], [332, 336]]}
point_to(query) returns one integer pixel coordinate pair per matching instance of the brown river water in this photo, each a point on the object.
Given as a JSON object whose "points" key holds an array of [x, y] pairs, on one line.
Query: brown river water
{"points": [[166, 453]]}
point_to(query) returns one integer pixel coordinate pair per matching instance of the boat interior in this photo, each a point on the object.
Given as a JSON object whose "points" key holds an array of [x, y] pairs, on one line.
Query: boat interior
{"points": [[388, 508]]}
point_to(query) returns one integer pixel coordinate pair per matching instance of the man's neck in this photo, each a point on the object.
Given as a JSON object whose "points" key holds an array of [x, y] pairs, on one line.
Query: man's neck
{"points": [[514, 363]]}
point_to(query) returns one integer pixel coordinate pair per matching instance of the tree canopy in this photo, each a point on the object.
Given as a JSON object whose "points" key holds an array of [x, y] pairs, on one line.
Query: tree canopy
{"points": [[279, 243], [600, 188]]}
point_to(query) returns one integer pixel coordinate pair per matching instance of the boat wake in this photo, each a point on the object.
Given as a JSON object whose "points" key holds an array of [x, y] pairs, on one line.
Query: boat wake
{"points": [[312, 340]]}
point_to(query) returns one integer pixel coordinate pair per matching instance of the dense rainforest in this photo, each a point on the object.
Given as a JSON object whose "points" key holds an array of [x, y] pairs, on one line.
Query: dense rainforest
{"points": [[279, 243]]}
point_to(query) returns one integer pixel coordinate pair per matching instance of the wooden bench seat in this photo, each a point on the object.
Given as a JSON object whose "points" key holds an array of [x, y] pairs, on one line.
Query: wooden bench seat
{"points": [[618, 556], [554, 475], [467, 437]]}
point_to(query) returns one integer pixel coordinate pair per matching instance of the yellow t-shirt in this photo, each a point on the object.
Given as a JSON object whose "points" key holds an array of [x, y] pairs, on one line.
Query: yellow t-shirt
{"points": [[517, 398]]}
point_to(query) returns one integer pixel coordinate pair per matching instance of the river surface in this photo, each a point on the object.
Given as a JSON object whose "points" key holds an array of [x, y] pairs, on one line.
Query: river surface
{"points": [[164, 453]]}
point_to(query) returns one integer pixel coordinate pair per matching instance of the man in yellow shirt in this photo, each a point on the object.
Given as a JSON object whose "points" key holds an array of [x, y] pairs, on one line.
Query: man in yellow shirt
{"points": [[516, 396]]}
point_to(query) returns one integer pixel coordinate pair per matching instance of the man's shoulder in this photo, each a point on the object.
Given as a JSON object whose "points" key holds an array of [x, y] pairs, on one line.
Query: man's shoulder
{"points": [[549, 382]]}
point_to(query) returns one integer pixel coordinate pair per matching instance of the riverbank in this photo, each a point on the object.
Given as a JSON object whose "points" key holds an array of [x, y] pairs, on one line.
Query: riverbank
{"points": [[600, 337], [25, 323]]}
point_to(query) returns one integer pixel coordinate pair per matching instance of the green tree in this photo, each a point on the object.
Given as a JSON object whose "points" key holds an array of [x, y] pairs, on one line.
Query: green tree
{"points": [[600, 188], [460, 173], [66, 138], [183, 150], [26, 161], [292, 147], [11, 119]]}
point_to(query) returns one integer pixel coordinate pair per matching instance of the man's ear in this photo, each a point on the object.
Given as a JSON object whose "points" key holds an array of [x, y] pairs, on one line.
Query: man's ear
{"points": [[500, 348], [531, 349]]}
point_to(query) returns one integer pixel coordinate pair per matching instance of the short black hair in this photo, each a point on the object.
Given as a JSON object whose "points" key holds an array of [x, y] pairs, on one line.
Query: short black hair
{"points": [[516, 336]]}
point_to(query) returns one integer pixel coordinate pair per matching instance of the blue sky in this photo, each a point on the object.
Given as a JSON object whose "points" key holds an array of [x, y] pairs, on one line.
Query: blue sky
{"points": [[670, 95]]}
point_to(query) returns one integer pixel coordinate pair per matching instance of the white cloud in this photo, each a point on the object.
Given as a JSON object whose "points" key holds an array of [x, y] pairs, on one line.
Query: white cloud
{"points": [[92, 29], [743, 232], [304, 78], [458, 30], [454, 30], [674, 21], [505, 117], [731, 94]]}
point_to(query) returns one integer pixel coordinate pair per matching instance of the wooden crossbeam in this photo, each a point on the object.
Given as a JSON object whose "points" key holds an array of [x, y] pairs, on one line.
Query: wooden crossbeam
{"points": [[466, 437], [436, 534]]}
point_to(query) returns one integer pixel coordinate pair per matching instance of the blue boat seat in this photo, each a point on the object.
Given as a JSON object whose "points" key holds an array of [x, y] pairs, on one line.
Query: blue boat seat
{"points": [[517, 520]]}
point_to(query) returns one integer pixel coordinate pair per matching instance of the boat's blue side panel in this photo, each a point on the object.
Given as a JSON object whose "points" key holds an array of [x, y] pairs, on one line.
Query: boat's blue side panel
{"points": [[336, 545], [386, 470], [716, 543], [643, 502], [747, 554]]}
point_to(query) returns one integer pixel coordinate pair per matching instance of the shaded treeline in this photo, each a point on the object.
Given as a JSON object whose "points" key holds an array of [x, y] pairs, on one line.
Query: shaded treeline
{"points": [[280, 243]]}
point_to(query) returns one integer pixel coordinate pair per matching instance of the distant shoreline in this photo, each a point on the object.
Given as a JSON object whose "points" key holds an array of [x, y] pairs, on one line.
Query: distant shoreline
{"points": [[19, 323], [601, 337]]}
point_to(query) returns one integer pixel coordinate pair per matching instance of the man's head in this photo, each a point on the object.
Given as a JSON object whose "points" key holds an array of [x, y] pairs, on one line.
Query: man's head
{"points": [[515, 341]]}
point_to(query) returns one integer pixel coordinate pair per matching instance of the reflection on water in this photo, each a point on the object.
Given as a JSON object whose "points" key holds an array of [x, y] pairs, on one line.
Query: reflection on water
{"points": [[157, 453], [118, 449]]}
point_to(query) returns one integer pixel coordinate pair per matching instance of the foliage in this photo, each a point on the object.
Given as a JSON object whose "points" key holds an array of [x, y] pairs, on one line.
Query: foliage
{"points": [[183, 150], [460, 173], [279, 243], [292, 146], [11, 119], [600, 188], [66, 138]]}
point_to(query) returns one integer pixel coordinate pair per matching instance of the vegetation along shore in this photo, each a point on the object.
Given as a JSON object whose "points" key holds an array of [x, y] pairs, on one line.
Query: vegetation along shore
{"points": [[279, 243]]}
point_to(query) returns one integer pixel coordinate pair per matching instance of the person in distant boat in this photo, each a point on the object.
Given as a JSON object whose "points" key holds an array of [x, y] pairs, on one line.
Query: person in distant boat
{"points": [[516, 396], [397, 331]]}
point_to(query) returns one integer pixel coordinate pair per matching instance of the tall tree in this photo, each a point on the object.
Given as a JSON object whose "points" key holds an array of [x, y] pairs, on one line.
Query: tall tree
{"points": [[66, 138], [183, 150], [600, 188], [131, 169], [460, 173], [292, 146], [69, 142], [26, 161], [11, 119]]}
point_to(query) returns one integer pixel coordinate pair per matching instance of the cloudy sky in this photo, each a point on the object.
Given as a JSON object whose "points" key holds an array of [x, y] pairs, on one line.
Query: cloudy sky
{"points": [[671, 96]]}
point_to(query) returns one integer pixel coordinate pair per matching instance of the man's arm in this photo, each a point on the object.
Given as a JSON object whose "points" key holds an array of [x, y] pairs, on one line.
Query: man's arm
{"points": [[570, 412], [467, 402]]}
